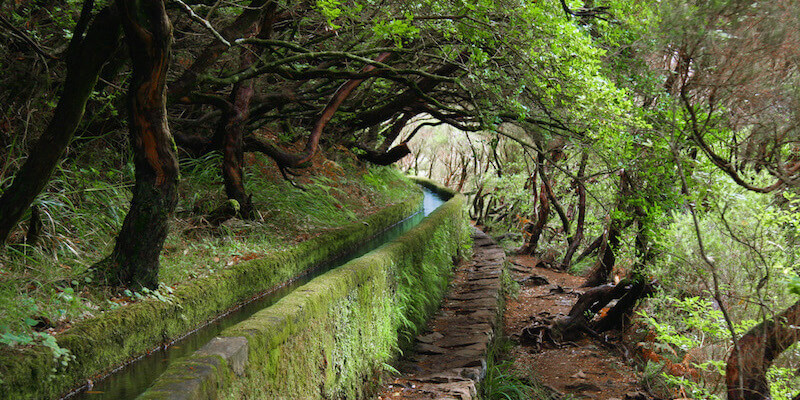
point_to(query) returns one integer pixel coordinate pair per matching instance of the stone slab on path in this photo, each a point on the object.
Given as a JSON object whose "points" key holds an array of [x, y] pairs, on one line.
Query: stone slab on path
{"points": [[448, 360]]}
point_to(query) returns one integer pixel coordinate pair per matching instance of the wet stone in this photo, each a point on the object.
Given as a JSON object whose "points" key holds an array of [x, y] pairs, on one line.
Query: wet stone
{"points": [[449, 361]]}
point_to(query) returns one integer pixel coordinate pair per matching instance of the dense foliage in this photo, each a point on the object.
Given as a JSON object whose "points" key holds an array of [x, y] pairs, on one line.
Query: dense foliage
{"points": [[652, 142]]}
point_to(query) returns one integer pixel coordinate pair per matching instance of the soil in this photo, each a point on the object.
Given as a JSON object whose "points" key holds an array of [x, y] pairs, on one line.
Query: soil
{"points": [[587, 369]]}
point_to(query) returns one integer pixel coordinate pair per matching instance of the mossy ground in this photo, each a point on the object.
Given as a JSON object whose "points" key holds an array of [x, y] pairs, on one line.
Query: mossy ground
{"points": [[207, 268]]}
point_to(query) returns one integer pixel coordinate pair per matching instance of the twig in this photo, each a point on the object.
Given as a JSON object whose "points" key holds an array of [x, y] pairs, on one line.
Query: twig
{"points": [[203, 22], [25, 38], [716, 293]]}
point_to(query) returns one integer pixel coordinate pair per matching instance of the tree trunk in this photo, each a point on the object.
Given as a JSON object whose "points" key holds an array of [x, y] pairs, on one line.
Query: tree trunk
{"points": [[534, 230], [388, 157], [546, 200], [135, 260], [589, 250], [90, 54], [746, 372], [233, 150], [576, 239], [605, 261], [580, 319], [644, 253], [233, 122]]}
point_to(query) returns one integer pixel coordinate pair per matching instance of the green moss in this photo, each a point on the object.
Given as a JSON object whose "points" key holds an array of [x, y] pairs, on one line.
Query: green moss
{"points": [[115, 336], [330, 338], [197, 378], [434, 186]]}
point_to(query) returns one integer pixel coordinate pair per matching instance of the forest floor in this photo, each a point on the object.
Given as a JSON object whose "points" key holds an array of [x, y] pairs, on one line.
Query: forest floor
{"points": [[585, 369]]}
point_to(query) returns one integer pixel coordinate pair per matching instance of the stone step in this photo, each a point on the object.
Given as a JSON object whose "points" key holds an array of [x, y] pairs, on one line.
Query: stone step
{"points": [[448, 360]]}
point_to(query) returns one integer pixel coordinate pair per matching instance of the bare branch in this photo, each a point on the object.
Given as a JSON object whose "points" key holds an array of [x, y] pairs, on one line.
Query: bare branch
{"points": [[202, 21]]}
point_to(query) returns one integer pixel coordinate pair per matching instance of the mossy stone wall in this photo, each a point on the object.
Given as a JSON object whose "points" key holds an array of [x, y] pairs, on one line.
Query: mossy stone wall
{"points": [[332, 337], [100, 343]]}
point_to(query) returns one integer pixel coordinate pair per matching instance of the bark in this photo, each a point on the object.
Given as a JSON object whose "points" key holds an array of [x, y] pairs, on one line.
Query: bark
{"points": [[619, 315], [576, 239], [547, 182], [580, 319], [465, 162], [233, 150], [370, 140], [591, 248], [34, 227], [746, 372], [534, 230], [601, 270], [644, 253], [89, 56], [477, 205], [386, 158], [404, 100], [293, 160], [233, 122], [135, 259], [546, 201]]}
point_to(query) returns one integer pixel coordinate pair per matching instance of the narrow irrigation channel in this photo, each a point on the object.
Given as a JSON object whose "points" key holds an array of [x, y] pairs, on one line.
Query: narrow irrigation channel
{"points": [[134, 378]]}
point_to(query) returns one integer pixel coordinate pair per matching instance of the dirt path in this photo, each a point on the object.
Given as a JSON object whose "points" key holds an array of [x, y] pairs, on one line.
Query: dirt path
{"points": [[582, 370]]}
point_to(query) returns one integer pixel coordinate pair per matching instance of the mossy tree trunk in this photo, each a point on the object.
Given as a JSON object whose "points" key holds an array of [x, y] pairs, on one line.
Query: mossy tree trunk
{"points": [[135, 260], [746, 372], [87, 56]]}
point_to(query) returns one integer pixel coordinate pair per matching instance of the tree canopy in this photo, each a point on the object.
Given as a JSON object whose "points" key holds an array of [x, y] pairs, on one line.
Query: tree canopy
{"points": [[615, 131]]}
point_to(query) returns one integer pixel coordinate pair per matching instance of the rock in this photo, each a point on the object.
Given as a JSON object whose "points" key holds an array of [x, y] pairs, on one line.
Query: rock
{"points": [[429, 337], [447, 363], [548, 259], [636, 396], [579, 375], [557, 289], [534, 280], [234, 350], [584, 386], [424, 348]]}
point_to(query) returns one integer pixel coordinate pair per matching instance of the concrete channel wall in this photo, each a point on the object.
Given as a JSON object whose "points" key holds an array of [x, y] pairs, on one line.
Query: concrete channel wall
{"points": [[331, 337], [100, 343]]}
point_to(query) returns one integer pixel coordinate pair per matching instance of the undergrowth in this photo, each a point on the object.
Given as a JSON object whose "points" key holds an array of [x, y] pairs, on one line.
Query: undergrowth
{"points": [[501, 381]]}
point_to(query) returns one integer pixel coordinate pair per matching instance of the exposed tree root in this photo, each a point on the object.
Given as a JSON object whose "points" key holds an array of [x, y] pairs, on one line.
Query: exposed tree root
{"points": [[592, 314]]}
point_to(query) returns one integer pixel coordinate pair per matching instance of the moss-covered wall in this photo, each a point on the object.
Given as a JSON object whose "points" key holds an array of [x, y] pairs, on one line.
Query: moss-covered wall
{"points": [[434, 186], [116, 336], [331, 337]]}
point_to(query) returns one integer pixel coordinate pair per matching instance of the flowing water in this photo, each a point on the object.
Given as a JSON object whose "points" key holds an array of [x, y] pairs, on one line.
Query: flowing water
{"points": [[134, 378]]}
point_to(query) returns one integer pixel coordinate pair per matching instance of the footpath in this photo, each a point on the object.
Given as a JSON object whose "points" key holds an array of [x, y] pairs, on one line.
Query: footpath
{"points": [[584, 369], [448, 360]]}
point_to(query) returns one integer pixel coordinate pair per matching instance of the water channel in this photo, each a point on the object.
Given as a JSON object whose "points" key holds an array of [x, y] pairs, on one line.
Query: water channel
{"points": [[133, 379]]}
